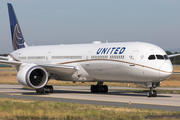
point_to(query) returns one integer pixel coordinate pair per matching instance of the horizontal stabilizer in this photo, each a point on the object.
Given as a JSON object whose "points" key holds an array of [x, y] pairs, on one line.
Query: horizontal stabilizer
{"points": [[4, 58], [10, 62]]}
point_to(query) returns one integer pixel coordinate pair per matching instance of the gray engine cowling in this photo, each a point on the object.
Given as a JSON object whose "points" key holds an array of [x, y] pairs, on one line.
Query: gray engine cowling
{"points": [[32, 76]]}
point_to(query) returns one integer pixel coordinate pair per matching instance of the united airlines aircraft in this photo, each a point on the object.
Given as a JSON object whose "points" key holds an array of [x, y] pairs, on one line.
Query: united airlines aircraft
{"points": [[145, 64]]}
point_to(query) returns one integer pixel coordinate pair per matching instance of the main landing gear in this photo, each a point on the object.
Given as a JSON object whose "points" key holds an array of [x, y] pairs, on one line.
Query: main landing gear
{"points": [[152, 93], [45, 89], [99, 88]]}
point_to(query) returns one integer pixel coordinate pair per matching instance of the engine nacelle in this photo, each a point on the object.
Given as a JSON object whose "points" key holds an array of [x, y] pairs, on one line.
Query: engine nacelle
{"points": [[32, 76]]}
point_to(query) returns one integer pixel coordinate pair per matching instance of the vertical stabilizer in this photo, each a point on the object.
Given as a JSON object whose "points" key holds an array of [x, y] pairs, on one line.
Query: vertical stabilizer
{"points": [[16, 34]]}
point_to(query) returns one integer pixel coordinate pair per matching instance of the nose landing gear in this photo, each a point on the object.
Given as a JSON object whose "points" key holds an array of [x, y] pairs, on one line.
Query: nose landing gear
{"points": [[152, 93]]}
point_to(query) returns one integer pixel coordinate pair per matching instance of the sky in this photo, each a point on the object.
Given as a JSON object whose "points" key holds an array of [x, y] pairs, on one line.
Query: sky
{"points": [[50, 22]]}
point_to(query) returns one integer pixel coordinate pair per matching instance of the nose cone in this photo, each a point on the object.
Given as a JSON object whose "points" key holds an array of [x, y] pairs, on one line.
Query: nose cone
{"points": [[166, 70]]}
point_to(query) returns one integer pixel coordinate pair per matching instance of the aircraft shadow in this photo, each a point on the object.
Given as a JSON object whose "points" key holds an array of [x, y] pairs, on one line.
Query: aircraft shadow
{"points": [[118, 93]]}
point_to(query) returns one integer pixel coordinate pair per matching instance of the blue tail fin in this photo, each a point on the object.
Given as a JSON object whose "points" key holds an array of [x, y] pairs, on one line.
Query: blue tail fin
{"points": [[16, 34]]}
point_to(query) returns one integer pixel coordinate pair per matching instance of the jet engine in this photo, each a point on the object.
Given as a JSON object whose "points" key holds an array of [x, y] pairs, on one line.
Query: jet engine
{"points": [[32, 76]]}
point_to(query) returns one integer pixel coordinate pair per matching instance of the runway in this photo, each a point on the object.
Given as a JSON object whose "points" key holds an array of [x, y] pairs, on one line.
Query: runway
{"points": [[82, 95]]}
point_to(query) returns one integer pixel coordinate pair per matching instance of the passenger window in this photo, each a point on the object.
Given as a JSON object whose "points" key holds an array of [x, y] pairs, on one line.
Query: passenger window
{"points": [[160, 57], [166, 57], [151, 57]]}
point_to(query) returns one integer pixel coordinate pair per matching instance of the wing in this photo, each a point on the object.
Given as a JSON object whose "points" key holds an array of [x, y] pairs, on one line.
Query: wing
{"points": [[52, 68], [174, 55], [10, 62], [4, 58], [58, 69]]}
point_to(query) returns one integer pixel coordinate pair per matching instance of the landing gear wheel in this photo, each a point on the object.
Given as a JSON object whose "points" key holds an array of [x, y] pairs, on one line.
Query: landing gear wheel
{"points": [[92, 88], [99, 88], [149, 94], [40, 91], [51, 89], [154, 93], [45, 89], [95, 89], [105, 88], [48, 89]]}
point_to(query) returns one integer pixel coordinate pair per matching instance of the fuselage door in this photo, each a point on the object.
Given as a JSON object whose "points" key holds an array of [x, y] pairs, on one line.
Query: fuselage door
{"points": [[88, 56], [48, 57]]}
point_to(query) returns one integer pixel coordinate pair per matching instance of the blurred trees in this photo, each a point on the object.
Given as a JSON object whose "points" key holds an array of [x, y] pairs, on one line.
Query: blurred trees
{"points": [[4, 55], [174, 60]]}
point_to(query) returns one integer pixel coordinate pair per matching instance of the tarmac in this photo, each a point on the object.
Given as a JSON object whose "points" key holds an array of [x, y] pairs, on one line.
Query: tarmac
{"points": [[82, 95]]}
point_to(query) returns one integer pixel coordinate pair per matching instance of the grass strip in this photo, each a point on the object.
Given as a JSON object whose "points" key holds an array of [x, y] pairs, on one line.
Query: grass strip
{"points": [[33, 109]]}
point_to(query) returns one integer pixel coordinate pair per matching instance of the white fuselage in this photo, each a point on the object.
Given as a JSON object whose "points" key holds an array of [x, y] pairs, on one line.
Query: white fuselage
{"points": [[106, 62]]}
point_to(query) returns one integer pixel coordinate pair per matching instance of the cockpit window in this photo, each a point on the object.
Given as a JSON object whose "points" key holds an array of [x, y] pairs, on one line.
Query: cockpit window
{"points": [[160, 57], [166, 57], [151, 57]]}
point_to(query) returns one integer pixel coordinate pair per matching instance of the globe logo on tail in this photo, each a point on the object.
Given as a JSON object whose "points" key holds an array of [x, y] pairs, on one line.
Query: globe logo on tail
{"points": [[18, 41]]}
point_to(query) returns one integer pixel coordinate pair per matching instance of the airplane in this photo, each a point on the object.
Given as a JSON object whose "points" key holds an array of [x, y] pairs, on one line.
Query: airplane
{"points": [[144, 64]]}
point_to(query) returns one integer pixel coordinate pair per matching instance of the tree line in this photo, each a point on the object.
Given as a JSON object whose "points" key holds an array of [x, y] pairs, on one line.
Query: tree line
{"points": [[174, 60], [4, 55]]}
